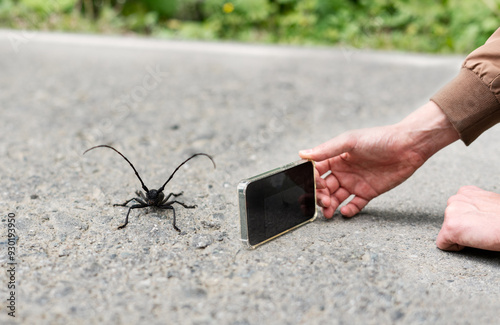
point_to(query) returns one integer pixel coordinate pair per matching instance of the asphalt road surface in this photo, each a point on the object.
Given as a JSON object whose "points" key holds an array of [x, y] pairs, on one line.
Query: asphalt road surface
{"points": [[252, 108]]}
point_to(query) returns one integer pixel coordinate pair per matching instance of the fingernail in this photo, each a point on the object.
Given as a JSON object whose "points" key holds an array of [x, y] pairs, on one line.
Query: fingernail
{"points": [[305, 152]]}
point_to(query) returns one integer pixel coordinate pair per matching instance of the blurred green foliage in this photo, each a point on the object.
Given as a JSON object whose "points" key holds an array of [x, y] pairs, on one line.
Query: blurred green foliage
{"points": [[446, 26]]}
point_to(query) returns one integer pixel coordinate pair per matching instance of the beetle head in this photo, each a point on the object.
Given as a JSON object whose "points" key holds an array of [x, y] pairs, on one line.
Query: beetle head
{"points": [[154, 197]]}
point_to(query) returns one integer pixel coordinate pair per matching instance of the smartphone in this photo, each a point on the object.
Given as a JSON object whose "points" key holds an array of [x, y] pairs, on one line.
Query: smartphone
{"points": [[276, 202]]}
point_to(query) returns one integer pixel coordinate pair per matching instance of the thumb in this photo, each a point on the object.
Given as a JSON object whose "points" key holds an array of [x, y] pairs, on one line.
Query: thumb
{"points": [[443, 242]]}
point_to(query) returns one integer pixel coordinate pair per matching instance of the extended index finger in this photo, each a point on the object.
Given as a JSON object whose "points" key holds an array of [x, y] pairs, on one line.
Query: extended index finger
{"points": [[331, 148]]}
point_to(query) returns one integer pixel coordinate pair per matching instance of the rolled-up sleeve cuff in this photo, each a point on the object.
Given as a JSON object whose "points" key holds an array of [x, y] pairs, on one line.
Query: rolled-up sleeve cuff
{"points": [[469, 104]]}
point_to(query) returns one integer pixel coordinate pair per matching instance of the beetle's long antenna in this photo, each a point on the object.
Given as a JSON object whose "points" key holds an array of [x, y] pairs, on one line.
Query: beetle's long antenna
{"points": [[144, 187], [185, 161]]}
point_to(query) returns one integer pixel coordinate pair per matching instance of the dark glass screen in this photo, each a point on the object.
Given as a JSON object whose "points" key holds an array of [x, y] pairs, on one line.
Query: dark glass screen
{"points": [[279, 202]]}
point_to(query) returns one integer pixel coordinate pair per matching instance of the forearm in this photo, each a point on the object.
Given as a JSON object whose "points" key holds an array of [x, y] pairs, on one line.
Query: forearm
{"points": [[429, 129]]}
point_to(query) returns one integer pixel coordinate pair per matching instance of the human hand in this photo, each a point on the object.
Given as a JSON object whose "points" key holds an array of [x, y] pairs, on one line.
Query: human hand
{"points": [[364, 163], [472, 219], [368, 162]]}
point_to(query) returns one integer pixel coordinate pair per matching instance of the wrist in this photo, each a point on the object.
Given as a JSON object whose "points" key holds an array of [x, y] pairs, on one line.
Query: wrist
{"points": [[429, 129]]}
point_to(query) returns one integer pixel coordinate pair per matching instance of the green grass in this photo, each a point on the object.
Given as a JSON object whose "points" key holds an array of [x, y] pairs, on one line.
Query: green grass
{"points": [[445, 26]]}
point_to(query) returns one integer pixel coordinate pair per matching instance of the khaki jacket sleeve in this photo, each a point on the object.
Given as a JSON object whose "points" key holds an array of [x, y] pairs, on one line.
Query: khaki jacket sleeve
{"points": [[471, 101]]}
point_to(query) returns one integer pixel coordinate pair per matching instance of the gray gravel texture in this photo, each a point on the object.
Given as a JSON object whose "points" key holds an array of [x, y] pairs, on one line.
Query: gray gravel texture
{"points": [[252, 108]]}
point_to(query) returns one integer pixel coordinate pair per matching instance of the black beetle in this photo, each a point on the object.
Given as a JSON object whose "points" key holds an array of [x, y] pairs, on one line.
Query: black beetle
{"points": [[153, 198]]}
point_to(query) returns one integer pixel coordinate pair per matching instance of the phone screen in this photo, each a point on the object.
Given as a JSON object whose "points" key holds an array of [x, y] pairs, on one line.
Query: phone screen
{"points": [[280, 202]]}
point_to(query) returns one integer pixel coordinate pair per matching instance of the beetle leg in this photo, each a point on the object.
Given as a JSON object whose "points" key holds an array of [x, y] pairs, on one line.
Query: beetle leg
{"points": [[183, 204], [141, 195], [138, 200], [169, 207], [136, 206], [165, 200]]}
